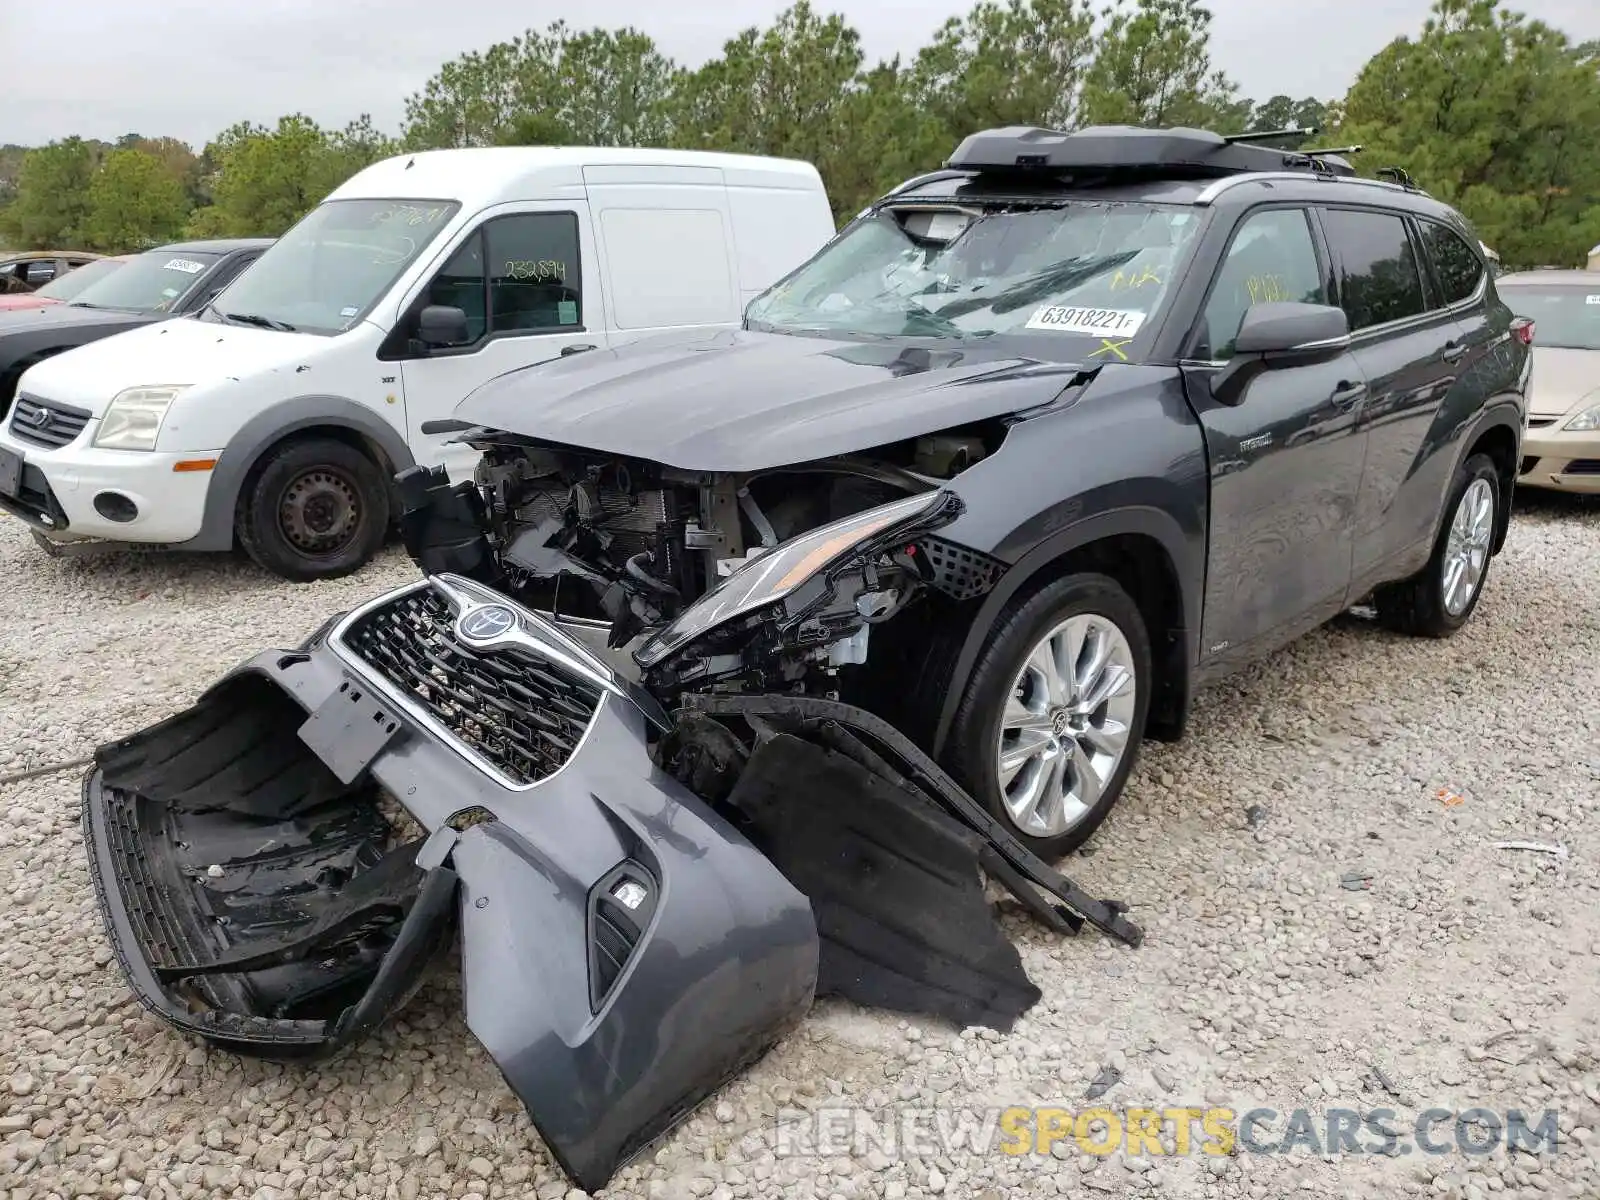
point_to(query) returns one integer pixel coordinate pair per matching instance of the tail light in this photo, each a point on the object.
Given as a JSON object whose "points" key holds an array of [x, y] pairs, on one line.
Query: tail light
{"points": [[1522, 330]]}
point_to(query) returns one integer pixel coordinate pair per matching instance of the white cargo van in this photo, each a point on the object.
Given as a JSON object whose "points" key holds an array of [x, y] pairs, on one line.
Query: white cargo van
{"points": [[278, 415]]}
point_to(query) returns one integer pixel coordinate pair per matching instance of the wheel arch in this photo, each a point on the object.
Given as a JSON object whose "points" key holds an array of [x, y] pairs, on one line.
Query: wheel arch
{"points": [[1498, 434], [1147, 552], [334, 417]]}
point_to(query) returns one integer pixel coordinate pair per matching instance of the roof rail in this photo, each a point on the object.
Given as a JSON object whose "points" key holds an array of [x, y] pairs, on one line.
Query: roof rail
{"points": [[1214, 189]]}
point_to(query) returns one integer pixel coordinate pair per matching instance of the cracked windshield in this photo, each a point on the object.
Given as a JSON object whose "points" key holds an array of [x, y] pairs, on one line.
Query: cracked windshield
{"points": [[1075, 270]]}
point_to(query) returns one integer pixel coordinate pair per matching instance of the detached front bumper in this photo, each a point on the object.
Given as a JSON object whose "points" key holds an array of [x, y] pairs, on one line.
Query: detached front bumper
{"points": [[625, 949], [277, 865]]}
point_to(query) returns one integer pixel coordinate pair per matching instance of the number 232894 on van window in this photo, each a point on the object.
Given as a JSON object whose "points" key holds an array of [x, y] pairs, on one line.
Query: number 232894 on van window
{"points": [[1096, 322]]}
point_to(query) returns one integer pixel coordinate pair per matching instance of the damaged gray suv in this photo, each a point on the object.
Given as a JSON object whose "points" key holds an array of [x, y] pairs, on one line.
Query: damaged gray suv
{"points": [[745, 661]]}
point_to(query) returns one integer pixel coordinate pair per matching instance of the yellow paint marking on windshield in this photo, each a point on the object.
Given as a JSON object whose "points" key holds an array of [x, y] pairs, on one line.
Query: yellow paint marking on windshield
{"points": [[1128, 280], [1107, 346]]}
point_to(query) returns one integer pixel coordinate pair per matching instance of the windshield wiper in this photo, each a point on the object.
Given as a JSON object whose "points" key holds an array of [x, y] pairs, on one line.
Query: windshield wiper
{"points": [[259, 321]]}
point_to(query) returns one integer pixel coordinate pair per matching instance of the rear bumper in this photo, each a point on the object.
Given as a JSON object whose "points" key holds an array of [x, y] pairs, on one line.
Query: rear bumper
{"points": [[607, 1044]]}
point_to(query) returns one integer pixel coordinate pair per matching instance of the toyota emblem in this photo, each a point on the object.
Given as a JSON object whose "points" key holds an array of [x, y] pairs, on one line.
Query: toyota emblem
{"points": [[486, 621]]}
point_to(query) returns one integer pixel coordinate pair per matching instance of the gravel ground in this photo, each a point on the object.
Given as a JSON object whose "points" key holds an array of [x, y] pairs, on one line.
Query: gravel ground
{"points": [[1325, 931]]}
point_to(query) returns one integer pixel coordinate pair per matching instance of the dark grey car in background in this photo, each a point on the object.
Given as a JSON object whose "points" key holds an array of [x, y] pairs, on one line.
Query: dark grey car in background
{"points": [[743, 655], [169, 281]]}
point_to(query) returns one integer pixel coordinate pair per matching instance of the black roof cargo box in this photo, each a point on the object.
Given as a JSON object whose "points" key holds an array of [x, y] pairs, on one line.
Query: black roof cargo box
{"points": [[1128, 149]]}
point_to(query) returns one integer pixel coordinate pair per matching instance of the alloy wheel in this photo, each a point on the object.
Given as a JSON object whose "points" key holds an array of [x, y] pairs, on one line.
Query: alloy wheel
{"points": [[1466, 553], [1066, 725]]}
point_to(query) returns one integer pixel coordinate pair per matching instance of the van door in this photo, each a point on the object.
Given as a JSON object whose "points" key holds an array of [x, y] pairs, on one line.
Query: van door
{"points": [[528, 283], [666, 249]]}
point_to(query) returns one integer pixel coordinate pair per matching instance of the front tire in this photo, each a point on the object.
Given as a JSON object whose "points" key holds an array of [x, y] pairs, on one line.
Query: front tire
{"points": [[316, 509], [1050, 724], [1440, 598]]}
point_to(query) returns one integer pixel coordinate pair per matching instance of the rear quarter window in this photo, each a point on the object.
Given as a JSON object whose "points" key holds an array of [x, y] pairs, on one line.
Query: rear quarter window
{"points": [[1455, 264]]}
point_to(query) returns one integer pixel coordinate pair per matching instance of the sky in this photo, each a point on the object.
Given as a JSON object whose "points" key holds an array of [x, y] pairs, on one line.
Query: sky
{"points": [[190, 68]]}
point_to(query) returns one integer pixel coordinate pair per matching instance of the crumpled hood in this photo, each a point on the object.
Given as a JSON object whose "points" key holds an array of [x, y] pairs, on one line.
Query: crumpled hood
{"points": [[745, 401], [179, 351], [1561, 379]]}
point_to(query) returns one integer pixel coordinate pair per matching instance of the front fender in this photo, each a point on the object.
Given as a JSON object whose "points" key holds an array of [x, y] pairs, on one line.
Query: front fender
{"points": [[264, 430], [1184, 553]]}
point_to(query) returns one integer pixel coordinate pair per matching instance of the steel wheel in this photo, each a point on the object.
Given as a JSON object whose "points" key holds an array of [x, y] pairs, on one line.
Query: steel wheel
{"points": [[320, 511], [1466, 555], [1066, 725]]}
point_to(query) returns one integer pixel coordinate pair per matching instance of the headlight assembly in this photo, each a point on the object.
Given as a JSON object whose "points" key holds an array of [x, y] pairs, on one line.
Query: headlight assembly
{"points": [[780, 572], [1585, 422], [133, 419]]}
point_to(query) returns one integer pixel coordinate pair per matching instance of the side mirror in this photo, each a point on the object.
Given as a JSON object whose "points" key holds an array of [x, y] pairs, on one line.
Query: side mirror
{"points": [[439, 325], [1280, 334], [1293, 333]]}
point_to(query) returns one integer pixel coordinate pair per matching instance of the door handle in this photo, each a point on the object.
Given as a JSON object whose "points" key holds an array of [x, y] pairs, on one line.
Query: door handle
{"points": [[1348, 395], [1454, 351], [566, 350]]}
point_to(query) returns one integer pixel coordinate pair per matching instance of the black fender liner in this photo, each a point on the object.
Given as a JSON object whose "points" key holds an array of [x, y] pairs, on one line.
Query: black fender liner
{"points": [[1188, 561], [266, 429]]}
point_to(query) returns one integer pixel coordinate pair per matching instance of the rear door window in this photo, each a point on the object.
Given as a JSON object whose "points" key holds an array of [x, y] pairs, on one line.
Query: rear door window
{"points": [[1378, 275], [1455, 264]]}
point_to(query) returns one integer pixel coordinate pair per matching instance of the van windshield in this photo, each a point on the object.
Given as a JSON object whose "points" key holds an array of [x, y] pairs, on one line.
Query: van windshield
{"points": [[328, 271], [1062, 273]]}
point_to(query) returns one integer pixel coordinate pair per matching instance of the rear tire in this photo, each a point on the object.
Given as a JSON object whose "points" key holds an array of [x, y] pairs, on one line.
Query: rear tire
{"points": [[1046, 690], [1441, 598], [315, 509]]}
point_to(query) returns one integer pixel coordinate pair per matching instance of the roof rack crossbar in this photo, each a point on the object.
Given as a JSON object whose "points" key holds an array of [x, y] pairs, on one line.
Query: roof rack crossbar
{"points": [[1268, 135]]}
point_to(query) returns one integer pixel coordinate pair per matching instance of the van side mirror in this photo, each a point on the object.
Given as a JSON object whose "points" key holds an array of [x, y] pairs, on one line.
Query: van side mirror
{"points": [[1280, 334], [440, 325]]}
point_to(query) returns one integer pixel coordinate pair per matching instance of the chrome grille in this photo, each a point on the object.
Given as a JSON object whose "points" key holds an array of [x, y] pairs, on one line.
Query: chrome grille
{"points": [[519, 715], [46, 424]]}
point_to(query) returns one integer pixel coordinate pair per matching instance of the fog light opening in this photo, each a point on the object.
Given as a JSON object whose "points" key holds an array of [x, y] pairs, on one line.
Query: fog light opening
{"points": [[114, 506]]}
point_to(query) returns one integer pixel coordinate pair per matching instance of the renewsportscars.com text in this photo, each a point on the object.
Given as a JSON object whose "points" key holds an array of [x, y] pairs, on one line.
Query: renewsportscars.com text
{"points": [[1213, 1131]]}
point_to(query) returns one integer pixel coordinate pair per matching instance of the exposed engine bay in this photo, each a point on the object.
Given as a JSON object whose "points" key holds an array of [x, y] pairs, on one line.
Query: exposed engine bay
{"points": [[635, 546]]}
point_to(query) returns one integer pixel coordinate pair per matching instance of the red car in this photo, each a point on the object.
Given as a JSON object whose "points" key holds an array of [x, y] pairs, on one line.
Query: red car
{"points": [[64, 286]]}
